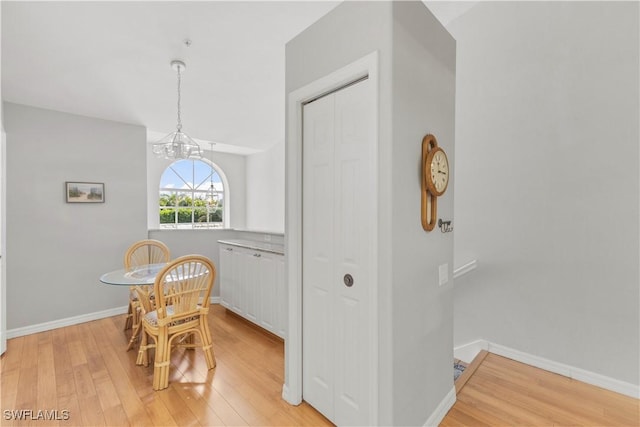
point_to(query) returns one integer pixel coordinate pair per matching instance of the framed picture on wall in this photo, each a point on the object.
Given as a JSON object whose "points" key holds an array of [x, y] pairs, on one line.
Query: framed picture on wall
{"points": [[84, 192]]}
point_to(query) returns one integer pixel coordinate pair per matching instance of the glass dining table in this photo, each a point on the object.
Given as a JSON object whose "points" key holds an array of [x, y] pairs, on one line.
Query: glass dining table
{"points": [[141, 279]]}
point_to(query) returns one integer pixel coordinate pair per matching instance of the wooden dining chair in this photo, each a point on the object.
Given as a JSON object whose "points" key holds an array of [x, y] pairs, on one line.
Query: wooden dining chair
{"points": [[182, 290], [148, 251]]}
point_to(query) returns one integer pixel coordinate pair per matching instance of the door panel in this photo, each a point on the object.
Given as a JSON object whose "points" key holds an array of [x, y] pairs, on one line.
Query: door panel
{"points": [[252, 284], [239, 273], [267, 290], [338, 222], [318, 252], [226, 278], [355, 224]]}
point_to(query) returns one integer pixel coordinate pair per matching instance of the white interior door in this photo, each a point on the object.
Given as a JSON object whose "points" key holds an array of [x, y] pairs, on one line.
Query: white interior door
{"points": [[3, 289], [338, 251]]}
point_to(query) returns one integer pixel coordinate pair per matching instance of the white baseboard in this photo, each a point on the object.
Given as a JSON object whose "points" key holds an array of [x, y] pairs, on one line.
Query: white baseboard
{"points": [[55, 324], [441, 410], [468, 352], [464, 352]]}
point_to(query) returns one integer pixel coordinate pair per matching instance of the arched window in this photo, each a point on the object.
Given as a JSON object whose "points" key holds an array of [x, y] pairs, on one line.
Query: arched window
{"points": [[192, 195]]}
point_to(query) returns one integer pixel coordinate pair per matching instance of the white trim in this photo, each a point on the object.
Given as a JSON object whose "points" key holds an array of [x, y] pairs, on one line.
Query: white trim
{"points": [[55, 324], [442, 409], [286, 393], [462, 270], [468, 352], [60, 323], [569, 371], [292, 389]]}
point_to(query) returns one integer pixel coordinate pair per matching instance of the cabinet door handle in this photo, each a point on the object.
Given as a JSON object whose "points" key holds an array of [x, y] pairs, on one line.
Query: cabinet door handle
{"points": [[229, 249], [257, 255]]}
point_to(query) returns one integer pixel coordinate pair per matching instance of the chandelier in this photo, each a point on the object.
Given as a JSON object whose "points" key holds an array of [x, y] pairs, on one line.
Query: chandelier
{"points": [[177, 145]]}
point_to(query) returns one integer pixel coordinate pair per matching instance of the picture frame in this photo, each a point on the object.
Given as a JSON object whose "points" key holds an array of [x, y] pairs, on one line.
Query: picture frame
{"points": [[84, 192]]}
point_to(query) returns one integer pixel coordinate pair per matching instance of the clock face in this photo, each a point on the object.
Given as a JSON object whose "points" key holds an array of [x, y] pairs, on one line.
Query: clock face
{"points": [[438, 174]]}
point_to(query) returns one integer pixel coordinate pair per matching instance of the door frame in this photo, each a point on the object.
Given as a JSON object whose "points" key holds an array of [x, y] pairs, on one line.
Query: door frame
{"points": [[365, 66]]}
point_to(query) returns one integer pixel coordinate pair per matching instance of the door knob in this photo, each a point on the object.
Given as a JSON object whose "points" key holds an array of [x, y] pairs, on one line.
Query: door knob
{"points": [[348, 280]]}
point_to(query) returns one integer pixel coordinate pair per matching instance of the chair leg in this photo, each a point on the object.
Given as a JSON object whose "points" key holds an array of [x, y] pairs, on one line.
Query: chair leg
{"points": [[135, 332], [132, 311], [143, 351], [190, 339], [207, 346], [128, 323], [162, 361], [136, 310]]}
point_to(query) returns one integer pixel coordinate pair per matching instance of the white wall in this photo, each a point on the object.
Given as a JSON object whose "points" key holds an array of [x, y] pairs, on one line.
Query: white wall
{"points": [[416, 95], [56, 251], [265, 189], [424, 64], [547, 176], [234, 168]]}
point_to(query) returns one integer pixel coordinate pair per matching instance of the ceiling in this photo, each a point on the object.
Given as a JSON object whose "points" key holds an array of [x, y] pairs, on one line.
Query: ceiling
{"points": [[111, 60]]}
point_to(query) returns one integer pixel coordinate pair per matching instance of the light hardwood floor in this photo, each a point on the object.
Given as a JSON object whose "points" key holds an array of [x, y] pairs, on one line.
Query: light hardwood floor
{"points": [[85, 370], [503, 392]]}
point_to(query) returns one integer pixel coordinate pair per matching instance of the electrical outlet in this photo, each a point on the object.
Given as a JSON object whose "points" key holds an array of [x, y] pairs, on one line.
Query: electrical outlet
{"points": [[443, 273]]}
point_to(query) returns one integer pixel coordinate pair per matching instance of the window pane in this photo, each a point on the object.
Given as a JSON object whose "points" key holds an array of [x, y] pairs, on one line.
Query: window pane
{"points": [[167, 216], [170, 179], [184, 170], [200, 214], [200, 200], [202, 174], [184, 199], [205, 176], [167, 198], [184, 215], [215, 215]]}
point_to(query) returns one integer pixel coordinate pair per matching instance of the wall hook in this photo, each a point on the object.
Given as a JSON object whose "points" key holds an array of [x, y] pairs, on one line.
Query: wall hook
{"points": [[445, 226]]}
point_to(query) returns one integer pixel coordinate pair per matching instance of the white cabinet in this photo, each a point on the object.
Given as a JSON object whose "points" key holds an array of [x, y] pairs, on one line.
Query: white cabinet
{"points": [[226, 276], [252, 285], [272, 293]]}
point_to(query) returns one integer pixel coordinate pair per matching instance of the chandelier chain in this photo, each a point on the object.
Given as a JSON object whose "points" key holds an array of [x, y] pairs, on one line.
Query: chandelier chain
{"points": [[177, 145], [179, 125]]}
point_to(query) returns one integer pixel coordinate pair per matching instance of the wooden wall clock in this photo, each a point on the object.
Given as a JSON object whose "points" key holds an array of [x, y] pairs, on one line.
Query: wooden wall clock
{"points": [[435, 179]]}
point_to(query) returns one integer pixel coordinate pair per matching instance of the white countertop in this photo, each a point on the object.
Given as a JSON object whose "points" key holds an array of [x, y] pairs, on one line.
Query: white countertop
{"points": [[251, 244]]}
